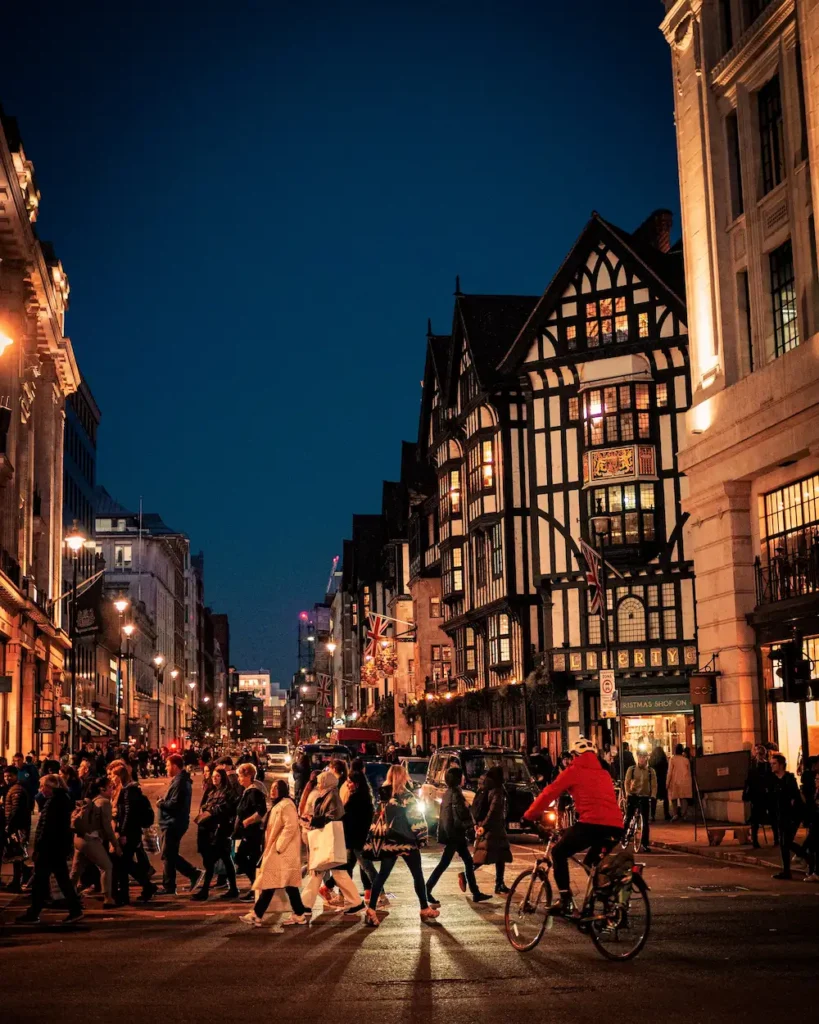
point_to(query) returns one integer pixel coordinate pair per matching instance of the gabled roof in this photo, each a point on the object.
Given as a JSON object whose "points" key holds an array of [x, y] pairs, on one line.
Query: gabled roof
{"points": [[661, 270], [490, 323]]}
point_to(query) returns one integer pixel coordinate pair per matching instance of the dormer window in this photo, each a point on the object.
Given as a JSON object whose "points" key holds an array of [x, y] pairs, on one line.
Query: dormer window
{"points": [[606, 321], [481, 468]]}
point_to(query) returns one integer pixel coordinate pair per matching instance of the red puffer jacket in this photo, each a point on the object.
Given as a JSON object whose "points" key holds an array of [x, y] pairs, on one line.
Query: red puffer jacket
{"points": [[591, 788]]}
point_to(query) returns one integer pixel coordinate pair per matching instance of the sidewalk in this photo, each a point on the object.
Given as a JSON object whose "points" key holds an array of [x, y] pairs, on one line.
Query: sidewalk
{"points": [[679, 837]]}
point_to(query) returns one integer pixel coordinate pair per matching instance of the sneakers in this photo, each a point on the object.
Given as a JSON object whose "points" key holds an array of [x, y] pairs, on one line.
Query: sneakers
{"points": [[165, 891], [295, 919], [354, 911], [430, 914], [563, 906], [248, 897], [783, 876], [813, 877], [221, 882], [481, 897], [148, 891], [462, 881], [252, 919], [432, 901], [200, 895], [326, 895], [74, 916], [231, 894], [195, 881]]}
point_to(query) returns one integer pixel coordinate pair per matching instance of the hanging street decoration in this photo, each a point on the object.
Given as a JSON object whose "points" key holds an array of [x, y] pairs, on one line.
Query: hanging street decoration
{"points": [[369, 673], [386, 658], [593, 579], [324, 686], [376, 632]]}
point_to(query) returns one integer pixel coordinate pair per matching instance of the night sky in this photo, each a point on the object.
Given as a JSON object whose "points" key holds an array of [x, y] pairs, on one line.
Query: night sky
{"points": [[258, 205]]}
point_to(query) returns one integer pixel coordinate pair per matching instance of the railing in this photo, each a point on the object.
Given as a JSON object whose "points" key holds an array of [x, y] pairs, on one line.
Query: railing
{"points": [[786, 576]]}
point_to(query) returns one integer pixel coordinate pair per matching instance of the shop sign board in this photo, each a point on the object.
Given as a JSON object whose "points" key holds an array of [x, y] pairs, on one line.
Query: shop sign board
{"points": [[656, 704], [608, 697], [703, 688]]}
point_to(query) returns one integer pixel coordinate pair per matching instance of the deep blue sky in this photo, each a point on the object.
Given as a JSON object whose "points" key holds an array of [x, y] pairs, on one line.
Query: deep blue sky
{"points": [[259, 204]]}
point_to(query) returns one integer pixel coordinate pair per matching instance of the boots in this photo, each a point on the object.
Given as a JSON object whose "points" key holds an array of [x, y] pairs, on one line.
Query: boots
{"points": [[563, 906]]}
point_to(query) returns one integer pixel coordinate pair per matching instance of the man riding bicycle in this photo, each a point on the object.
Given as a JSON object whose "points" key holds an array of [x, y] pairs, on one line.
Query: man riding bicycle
{"points": [[600, 821]]}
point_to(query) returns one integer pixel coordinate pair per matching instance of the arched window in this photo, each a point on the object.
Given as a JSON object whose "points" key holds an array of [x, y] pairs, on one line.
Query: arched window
{"points": [[631, 621]]}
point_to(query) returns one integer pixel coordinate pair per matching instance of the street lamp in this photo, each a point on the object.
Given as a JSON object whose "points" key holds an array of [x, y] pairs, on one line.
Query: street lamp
{"points": [[121, 603], [74, 541], [159, 671], [128, 630], [174, 677]]}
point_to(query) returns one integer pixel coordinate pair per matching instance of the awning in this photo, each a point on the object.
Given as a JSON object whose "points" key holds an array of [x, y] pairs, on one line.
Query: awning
{"points": [[85, 720]]}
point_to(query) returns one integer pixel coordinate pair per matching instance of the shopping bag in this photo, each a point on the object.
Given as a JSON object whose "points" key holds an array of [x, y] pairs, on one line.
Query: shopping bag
{"points": [[326, 846]]}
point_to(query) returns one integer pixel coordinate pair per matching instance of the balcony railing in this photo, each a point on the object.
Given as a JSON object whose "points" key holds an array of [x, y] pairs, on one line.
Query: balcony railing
{"points": [[786, 576]]}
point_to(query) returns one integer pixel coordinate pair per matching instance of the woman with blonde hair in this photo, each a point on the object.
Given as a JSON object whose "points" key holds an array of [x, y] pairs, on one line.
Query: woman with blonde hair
{"points": [[403, 832]]}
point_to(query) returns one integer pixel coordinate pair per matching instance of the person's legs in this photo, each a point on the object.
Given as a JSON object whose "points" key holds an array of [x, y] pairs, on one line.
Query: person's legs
{"points": [[60, 871], [345, 883], [572, 841], [294, 896], [40, 886], [230, 870], [666, 808], [170, 851], [500, 871], [387, 864], [95, 853], [462, 850], [645, 810], [413, 862], [309, 893], [654, 808], [78, 864], [441, 866], [263, 902], [366, 868]]}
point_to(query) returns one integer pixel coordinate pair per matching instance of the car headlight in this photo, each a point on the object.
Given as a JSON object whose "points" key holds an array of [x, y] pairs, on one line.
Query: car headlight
{"points": [[288, 758]]}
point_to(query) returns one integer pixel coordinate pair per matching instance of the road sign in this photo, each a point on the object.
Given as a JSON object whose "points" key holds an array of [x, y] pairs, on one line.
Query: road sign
{"points": [[608, 698]]}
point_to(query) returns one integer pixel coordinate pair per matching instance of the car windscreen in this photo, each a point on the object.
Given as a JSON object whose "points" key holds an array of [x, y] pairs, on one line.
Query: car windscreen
{"points": [[276, 748], [417, 767], [476, 764]]}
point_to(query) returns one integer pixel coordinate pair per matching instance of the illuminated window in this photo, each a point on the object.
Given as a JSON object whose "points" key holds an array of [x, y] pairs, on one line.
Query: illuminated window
{"points": [[122, 556], [606, 320], [500, 644], [487, 461], [783, 297], [574, 408], [631, 621], [642, 324], [435, 607], [662, 394], [497, 551], [465, 660], [480, 560], [452, 579], [571, 335], [632, 511], [669, 624], [790, 528]]}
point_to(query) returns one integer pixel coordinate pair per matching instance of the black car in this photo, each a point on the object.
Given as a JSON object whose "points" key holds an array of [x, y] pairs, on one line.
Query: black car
{"points": [[521, 788]]}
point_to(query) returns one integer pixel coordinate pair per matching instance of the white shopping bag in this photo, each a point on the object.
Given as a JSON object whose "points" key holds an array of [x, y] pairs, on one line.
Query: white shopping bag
{"points": [[326, 846]]}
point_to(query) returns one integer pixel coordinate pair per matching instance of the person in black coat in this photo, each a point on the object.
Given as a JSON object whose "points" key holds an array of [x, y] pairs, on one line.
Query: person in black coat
{"points": [[757, 791], [357, 798], [215, 821], [301, 776], [17, 806], [52, 842], [249, 825], [126, 802], [456, 829], [787, 810], [659, 762], [489, 813]]}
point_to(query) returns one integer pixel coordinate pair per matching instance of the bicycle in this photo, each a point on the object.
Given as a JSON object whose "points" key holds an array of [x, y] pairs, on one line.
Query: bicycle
{"points": [[634, 832], [615, 911]]}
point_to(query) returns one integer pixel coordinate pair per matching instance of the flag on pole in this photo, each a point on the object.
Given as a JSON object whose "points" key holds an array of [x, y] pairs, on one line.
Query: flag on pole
{"points": [[324, 687], [376, 632], [593, 579]]}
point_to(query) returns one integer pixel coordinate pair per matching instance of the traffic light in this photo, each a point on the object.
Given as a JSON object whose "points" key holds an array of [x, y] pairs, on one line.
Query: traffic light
{"points": [[794, 669]]}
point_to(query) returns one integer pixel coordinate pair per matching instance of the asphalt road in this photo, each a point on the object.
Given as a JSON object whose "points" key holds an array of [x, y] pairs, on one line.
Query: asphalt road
{"points": [[753, 950]]}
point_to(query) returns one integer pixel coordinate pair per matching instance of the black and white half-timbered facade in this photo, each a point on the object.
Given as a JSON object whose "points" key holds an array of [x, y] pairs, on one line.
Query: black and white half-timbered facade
{"points": [[602, 361]]}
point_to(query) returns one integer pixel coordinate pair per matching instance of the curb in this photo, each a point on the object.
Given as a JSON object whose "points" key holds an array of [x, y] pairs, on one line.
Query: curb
{"points": [[715, 853]]}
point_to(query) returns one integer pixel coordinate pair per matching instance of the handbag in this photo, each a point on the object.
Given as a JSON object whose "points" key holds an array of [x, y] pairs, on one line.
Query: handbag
{"points": [[375, 838], [16, 848], [481, 850], [150, 839], [326, 847]]}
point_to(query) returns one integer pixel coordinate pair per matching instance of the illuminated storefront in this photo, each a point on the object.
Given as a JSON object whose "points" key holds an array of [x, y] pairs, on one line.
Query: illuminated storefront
{"points": [[664, 718]]}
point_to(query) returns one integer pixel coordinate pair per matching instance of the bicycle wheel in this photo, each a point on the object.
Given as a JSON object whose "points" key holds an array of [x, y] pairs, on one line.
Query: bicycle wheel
{"points": [[636, 831], [527, 909], [619, 930]]}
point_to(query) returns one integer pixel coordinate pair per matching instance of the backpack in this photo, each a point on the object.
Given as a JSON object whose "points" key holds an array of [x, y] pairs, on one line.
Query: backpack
{"points": [[81, 818], [142, 808]]}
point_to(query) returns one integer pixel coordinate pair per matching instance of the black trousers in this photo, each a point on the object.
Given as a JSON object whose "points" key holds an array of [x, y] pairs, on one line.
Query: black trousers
{"points": [[643, 803], [450, 849], [266, 895], [44, 868], [413, 862], [248, 855], [594, 838], [666, 808], [218, 851], [172, 859], [128, 864]]}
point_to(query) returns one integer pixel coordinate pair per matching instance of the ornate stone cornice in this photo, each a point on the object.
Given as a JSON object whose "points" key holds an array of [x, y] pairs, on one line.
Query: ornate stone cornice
{"points": [[756, 37]]}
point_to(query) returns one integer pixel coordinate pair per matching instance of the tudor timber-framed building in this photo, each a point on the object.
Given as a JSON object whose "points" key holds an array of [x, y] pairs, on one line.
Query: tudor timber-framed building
{"points": [[604, 366]]}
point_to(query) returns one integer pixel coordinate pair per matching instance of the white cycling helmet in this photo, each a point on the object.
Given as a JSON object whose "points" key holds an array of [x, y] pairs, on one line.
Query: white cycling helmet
{"points": [[581, 745]]}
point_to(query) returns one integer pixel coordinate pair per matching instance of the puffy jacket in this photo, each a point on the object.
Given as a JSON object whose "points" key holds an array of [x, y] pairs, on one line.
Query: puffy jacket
{"points": [[591, 788], [175, 806]]}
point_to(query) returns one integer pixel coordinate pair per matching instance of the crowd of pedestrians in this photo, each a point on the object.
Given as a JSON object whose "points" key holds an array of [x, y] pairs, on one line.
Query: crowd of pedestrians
{"points": [[96, 816]]}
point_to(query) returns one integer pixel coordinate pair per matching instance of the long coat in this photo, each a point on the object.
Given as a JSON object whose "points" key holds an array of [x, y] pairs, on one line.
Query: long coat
{"points": [[679, 778], [281, 860], [489, 812]]}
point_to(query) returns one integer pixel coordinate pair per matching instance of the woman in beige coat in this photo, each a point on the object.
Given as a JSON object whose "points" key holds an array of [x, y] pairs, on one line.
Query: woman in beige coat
{"points": [[280, 867], [679, 782]]}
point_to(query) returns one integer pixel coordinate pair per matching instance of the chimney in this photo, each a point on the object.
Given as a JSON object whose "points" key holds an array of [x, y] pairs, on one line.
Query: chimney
{"points": [[656, 230]]}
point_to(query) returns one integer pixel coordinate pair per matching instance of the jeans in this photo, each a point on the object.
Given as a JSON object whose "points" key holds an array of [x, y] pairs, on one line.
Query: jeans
{"points": [[266, 895], [643, 804], [128, 864], [173, 861], [462, 849], [44, 868], [364, 866], [413, 862], [594, 838], [218, 851], [90, 850]]}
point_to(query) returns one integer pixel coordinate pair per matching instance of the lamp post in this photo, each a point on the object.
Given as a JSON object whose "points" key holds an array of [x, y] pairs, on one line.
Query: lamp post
{"points": [[601, 527], [75, 541], [174, 677], [121, 603], [128, 630], [159, 661]]}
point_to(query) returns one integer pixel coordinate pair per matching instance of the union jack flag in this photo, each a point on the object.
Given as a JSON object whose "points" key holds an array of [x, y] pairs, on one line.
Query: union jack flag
{"points": [[593, 579], [376, 632], [324, 687]]}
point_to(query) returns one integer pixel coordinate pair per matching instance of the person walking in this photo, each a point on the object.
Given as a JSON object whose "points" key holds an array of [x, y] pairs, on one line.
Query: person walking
{"points": [[301, 776], [280, 867], [358, 816], [757, 790], [787, 809], [52, 842], [130, 816], [27, 775], [94, 834], [174, 820], [679, 783], [659, 762], [456, 829], [215, 822], [249, 825], [810, 795], [492, 842], [641, 789], [403, 830], [326, 809], [18, 807]]}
